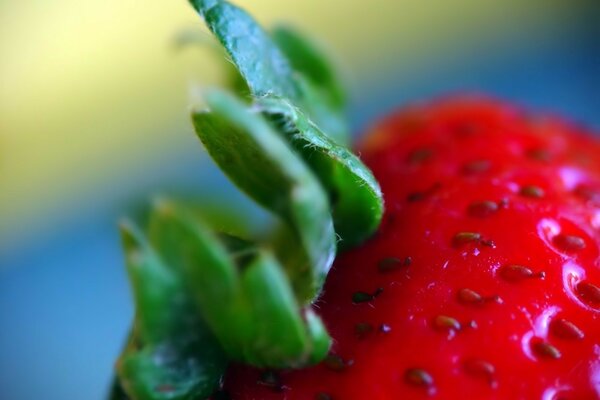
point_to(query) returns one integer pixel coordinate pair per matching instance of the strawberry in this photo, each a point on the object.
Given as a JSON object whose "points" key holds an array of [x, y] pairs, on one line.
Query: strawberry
{"points": [[483, 280], [480, 278]]}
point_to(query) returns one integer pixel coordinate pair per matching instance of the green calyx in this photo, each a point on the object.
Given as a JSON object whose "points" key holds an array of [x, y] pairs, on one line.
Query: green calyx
{"points": [[205, 297]]}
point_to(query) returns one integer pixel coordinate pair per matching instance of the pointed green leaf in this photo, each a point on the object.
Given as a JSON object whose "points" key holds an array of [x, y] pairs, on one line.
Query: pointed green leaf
{"points": [[171, 354], [257, 159], [280, 337], [209, 271], [267, 70], [260, 62], [356, 196], [153, 286]]}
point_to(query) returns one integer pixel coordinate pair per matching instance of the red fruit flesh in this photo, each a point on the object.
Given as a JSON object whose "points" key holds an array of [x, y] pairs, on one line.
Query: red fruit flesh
{"points": [[488, 257]]}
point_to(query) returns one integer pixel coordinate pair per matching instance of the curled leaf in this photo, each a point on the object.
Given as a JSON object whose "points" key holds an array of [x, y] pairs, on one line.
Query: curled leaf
{"points": [[356, 196]]}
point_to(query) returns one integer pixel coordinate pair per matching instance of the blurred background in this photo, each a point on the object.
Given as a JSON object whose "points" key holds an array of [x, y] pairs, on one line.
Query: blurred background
{"points": [[94, 100]]}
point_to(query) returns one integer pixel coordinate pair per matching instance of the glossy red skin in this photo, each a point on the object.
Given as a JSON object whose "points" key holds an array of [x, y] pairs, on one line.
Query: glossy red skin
{"points": [[456, 132]]}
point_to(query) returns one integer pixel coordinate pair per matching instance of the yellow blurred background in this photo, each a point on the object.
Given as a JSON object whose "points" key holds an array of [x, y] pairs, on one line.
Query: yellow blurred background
{"points": [[94, 99]]}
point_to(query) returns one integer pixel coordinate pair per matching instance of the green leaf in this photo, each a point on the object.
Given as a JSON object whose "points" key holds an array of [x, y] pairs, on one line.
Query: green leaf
{"points": [[311, 102], [259, 61], [267, 70], [309, 59], [258, 160], [209, 271], [280, 337], [315, 105], [171, 354], [355, 194], [323, 95], [242, 292]]}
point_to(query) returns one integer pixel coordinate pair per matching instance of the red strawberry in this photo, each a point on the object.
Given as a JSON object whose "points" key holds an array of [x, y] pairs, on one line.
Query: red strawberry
{"points": [[484, 278]]}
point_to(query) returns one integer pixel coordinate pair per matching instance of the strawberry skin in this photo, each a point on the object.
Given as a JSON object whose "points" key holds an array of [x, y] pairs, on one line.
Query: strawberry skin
{"points": [[483, 280]]}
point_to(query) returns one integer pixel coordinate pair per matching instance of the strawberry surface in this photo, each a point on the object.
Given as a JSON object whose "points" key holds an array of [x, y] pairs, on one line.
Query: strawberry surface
{"points": [[483, 280]]}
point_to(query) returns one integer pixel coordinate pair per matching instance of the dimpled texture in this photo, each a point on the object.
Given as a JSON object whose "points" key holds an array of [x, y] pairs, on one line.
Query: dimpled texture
{"points": [[483, 280]]}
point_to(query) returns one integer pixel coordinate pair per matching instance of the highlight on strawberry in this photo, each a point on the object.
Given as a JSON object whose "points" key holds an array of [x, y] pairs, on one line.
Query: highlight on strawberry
{"points": [[481, 279]]}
